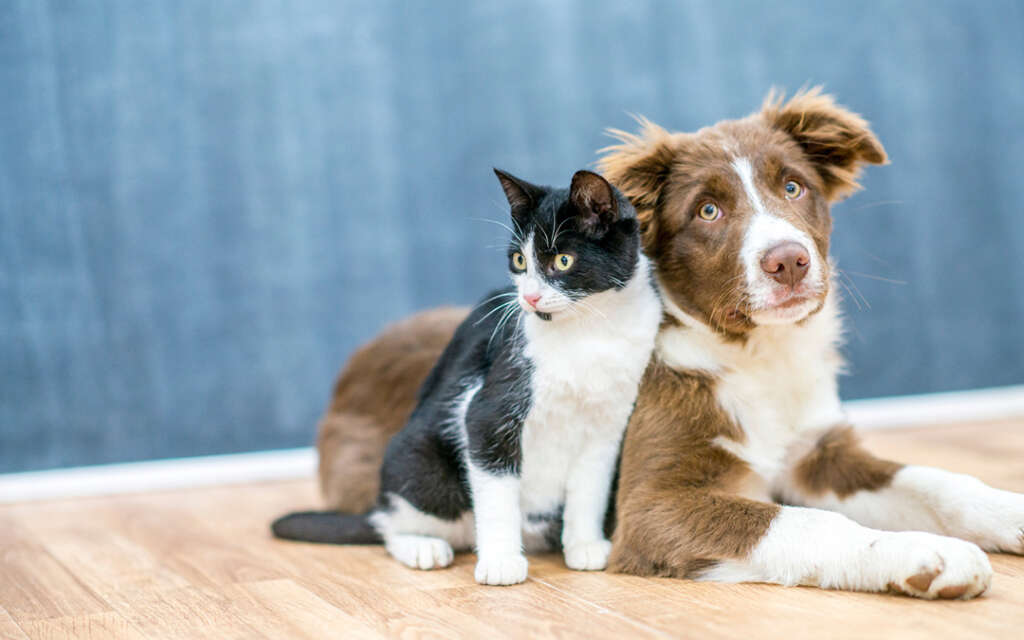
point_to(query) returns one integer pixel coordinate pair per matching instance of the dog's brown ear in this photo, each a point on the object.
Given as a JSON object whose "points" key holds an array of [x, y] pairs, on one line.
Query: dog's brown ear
{"points": [[639, 167], [835, 139]]}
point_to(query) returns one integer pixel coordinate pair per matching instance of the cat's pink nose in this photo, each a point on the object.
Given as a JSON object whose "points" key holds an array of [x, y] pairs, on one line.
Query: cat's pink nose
{"points": [[532, 299]]}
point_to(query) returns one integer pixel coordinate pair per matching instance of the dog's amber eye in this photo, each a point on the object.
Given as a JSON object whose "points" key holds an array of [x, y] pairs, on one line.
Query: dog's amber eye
{"points": [[563, 261], [793, 190], [709, 211], [518, 261]]}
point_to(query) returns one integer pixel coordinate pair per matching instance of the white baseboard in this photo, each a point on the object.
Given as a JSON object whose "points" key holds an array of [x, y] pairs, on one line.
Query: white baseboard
{"points": [[240, 468], [156, 475], [978, 405]]}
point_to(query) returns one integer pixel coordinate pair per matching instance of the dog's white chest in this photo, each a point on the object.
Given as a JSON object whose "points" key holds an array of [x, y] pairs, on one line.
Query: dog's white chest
{"points": [[779, 387], [776, 405]]}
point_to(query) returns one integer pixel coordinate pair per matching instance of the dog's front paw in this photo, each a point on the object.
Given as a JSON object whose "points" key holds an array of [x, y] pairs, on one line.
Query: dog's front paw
{"points": [[588, 556], [501, 569], [928, 566], [965, 507], [995, 521]]}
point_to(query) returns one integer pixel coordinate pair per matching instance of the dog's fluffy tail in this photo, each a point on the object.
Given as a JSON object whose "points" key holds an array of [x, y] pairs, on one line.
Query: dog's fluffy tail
{"points": [[330, 527]]}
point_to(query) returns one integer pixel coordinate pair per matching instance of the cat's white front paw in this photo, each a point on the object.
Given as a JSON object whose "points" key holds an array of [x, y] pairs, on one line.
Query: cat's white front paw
{"points": [[420, 552], [930, 566], [501, 569], [588, 556]]}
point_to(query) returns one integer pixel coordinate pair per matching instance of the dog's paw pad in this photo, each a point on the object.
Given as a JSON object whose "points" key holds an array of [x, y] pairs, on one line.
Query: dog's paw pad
{"points": [[953, 592], [935, 566], [921, 581]]}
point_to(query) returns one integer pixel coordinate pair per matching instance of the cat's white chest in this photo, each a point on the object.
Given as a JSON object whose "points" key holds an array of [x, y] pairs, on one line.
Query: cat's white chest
{"points": [[584, 384]]}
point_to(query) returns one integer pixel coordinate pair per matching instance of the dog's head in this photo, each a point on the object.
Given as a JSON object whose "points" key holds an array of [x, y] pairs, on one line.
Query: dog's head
{"points": [[736, 216]]}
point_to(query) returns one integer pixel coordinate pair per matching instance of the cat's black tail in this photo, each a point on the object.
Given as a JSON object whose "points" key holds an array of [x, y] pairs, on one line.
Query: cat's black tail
{"points": [[330, 527]]}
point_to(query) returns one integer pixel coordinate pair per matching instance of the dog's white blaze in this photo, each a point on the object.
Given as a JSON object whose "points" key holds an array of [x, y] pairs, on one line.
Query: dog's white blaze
{"points": [[825, 549], [746, 174], [767, 230]]}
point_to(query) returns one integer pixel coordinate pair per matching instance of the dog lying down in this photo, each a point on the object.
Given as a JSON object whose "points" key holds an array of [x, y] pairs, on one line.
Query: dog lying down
{"points": [[738, 463]]}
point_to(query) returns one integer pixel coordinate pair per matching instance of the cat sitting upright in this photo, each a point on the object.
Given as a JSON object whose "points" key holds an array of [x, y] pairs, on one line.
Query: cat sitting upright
{"points": [[514, 442]]}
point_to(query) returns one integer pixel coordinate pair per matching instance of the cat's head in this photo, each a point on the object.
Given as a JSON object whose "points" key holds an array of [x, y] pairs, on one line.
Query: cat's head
{"points": [[569, 244]]}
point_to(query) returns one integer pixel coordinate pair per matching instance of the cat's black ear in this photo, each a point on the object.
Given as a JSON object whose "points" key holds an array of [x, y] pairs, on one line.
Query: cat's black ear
{"points": [[520, 193], [594, 199]]}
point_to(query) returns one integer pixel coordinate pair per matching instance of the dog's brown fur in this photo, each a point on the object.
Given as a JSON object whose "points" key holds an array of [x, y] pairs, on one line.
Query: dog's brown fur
{"points": [[373, 397], [673, 479], [838, 463]]}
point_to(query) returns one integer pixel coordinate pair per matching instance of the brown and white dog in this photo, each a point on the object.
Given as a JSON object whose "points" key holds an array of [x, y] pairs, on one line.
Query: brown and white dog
{"points": [[738, 464], [740, 410]]}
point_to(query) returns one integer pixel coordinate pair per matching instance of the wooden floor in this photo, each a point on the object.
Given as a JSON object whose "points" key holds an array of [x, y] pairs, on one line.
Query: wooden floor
{"points": [[200, 564]]}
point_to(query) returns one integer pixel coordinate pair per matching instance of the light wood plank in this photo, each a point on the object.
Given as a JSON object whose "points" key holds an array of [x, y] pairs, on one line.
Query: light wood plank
{"points": [[193, 543], [283, 610], [34, 584], [96, 626], [110, 565], [189, 613], [9, 629]]}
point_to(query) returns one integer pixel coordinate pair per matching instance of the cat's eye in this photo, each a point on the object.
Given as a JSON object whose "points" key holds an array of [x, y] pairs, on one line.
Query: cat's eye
{"points": [[793, 190], [709, 211], [518, 261], [563, 261]]}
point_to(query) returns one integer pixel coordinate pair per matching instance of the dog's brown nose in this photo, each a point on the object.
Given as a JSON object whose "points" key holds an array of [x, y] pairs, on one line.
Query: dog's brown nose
{"points": [[786, 263]]}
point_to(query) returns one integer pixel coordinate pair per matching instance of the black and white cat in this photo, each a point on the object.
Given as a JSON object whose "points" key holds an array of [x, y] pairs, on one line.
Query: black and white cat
{"points": [[514, 442]]}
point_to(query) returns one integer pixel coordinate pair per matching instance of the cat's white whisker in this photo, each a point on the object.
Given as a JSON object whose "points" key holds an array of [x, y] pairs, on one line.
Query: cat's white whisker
{"points": [[501, 323], [507, 294], [518, 233], [515, 234], [546, 238], [589, 307], [558, 230], [497, 308]]}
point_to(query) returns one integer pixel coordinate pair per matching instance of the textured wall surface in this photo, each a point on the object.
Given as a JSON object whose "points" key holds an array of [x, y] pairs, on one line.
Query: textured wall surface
{"points": [[205, 206]]}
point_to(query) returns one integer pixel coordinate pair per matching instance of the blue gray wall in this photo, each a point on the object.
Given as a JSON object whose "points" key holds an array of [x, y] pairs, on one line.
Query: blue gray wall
{"points": [[205, 206]]}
